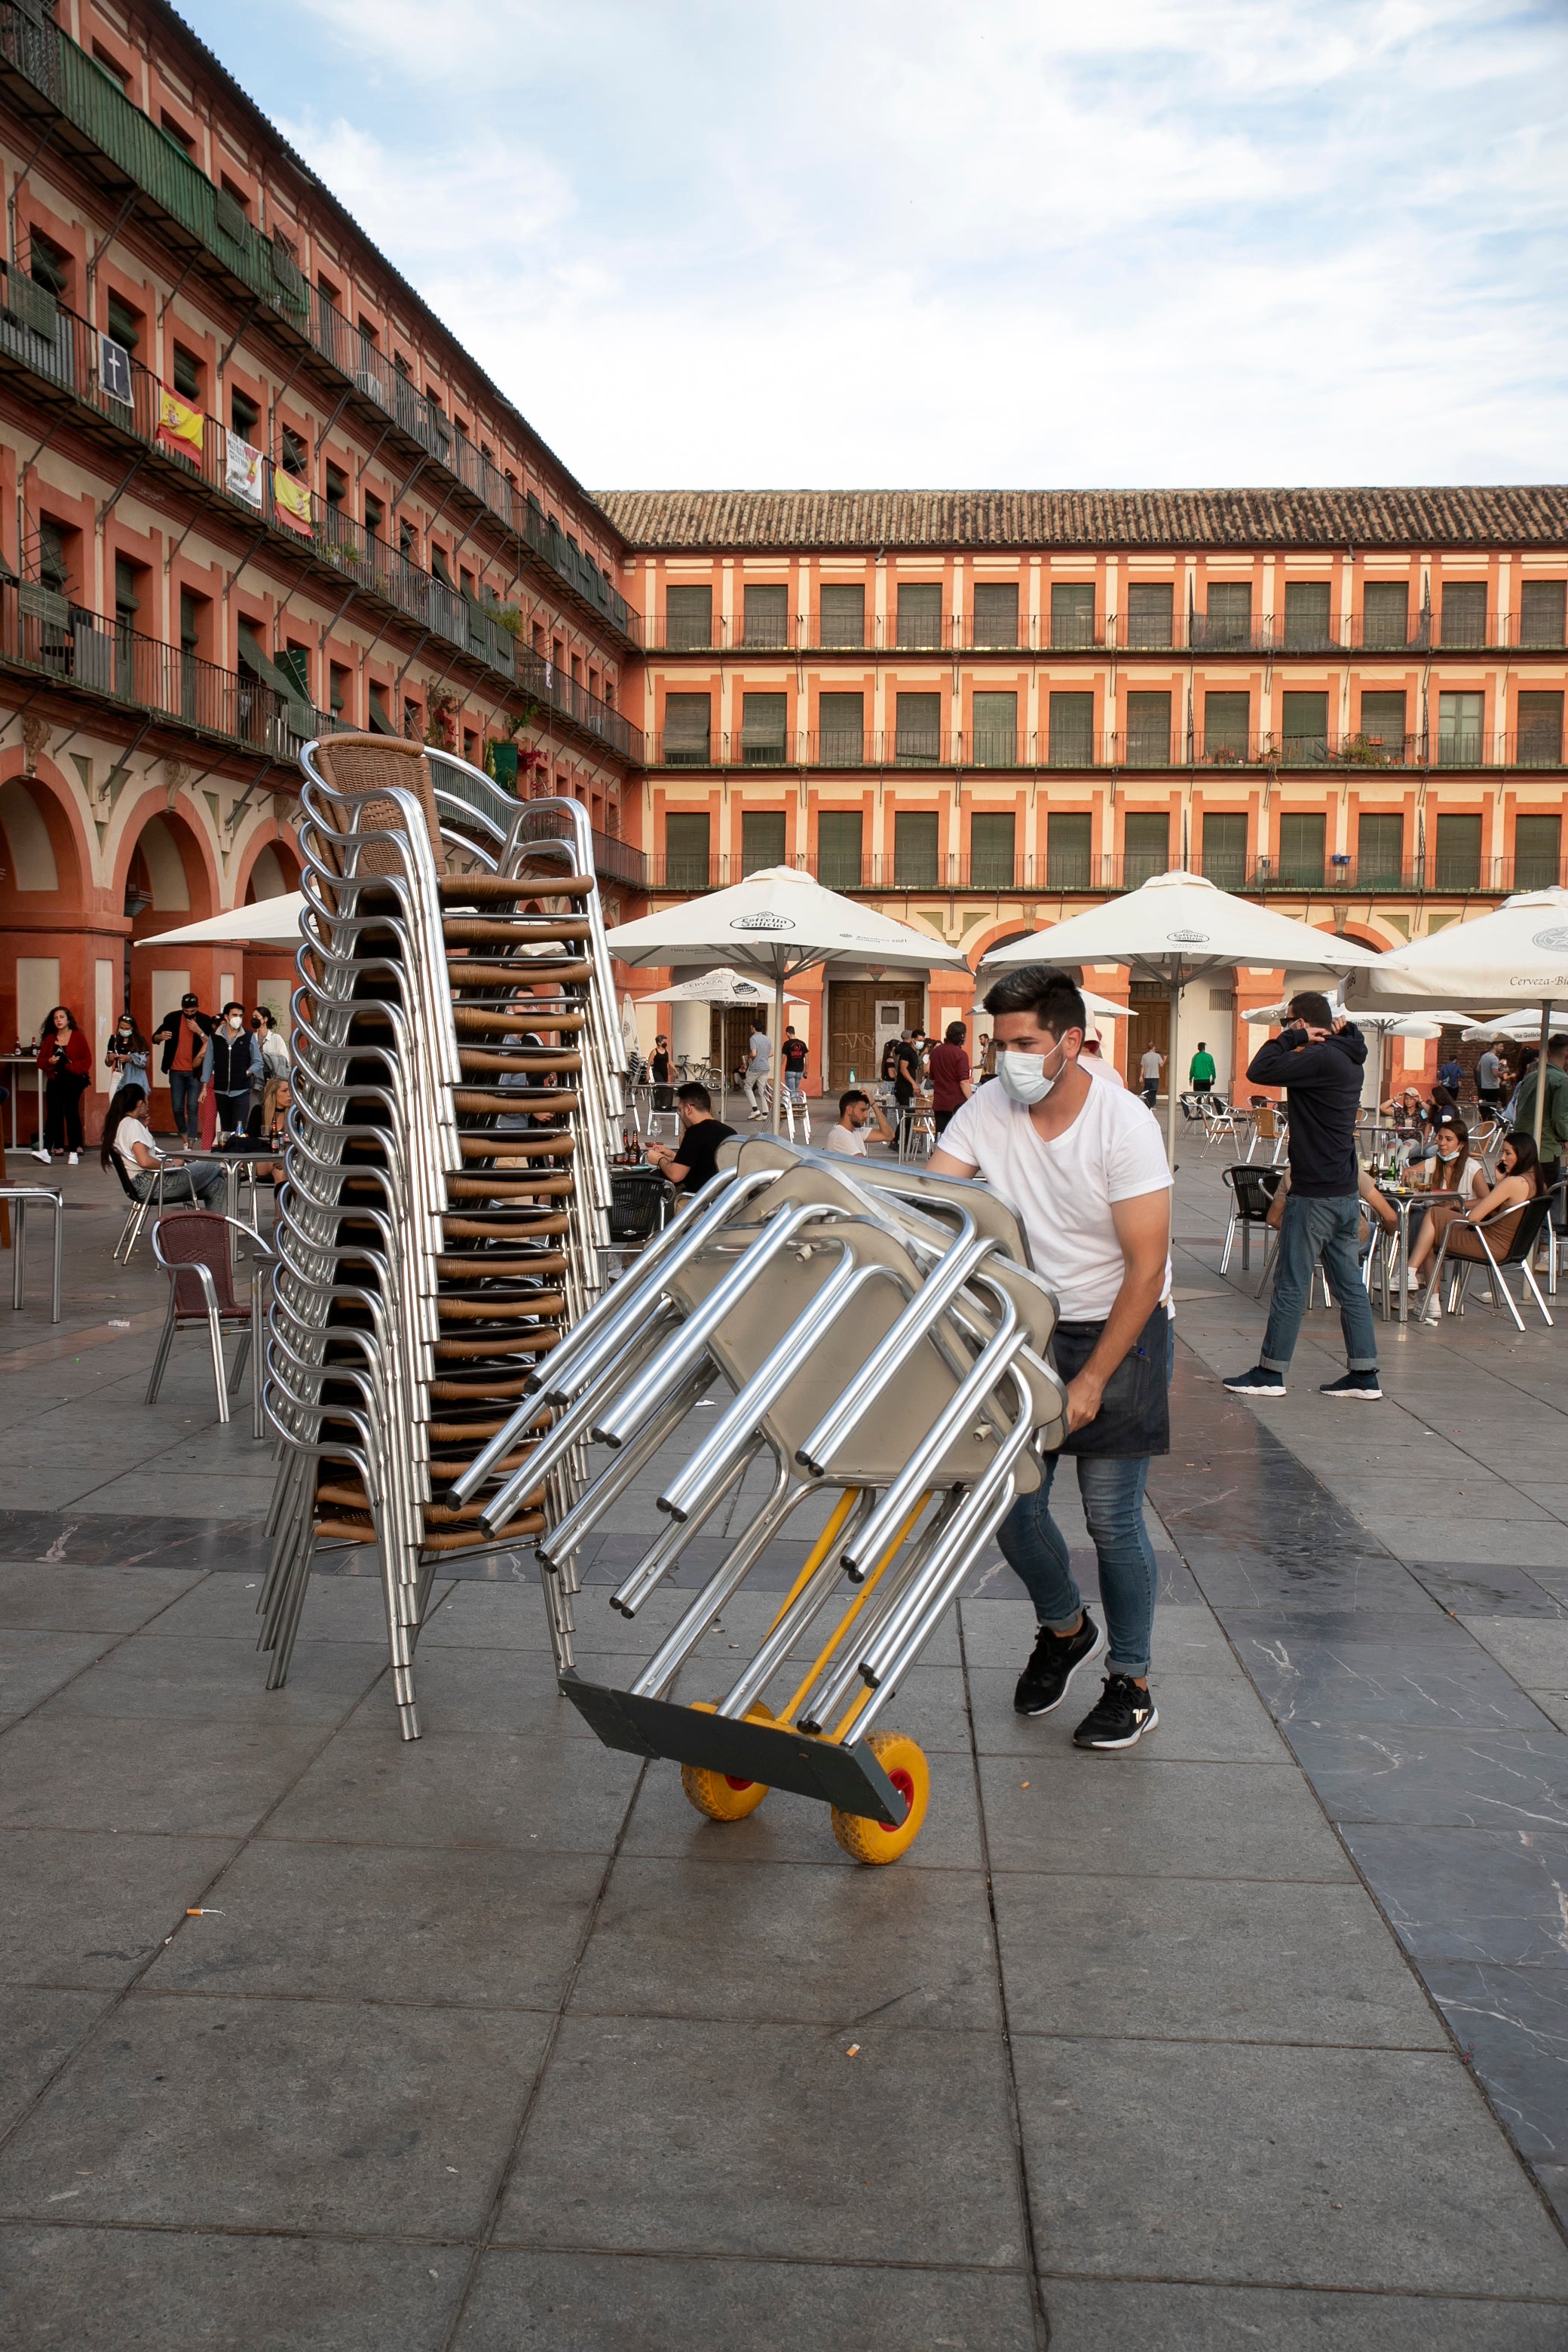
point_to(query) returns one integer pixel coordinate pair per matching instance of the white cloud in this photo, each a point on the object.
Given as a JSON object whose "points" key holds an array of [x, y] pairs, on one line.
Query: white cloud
{"points": [[1174, 240]]}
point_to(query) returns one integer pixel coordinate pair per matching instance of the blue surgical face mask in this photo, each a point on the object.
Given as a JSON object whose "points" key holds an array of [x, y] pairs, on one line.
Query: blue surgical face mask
{"points": [[1023, 1076]]}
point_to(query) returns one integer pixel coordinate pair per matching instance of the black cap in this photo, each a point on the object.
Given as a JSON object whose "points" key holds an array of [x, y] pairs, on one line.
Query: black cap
{"points": [[190, 997]]}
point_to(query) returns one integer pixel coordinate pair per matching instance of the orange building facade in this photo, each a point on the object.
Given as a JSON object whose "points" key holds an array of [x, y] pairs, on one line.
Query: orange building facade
{"points": [[985, 711], [252, 489]]}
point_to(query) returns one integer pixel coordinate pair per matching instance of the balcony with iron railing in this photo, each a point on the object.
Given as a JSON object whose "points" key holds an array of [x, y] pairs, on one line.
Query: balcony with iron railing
{"points": [[64, 349], [45, 636], [1417, 633], [1145, 746], [98, 111], [1440, 873]]}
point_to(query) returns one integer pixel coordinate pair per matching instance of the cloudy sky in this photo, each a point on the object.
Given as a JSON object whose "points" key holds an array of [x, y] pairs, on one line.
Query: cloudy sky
{"points": [[1022, 242]]}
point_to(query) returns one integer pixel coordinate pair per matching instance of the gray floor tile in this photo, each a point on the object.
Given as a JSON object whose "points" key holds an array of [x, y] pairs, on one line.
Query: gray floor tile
{"points": [[39, 2027], [1184, 1957], [373, 1922], [144, 2290], [199, 1679], [494, 1617], [89, 1909], [1534, 1651], [223, 1608], [1204, 1718], [1136, 1815], [786, 1828], [743, 1940], [1553, 1704], [1512, 2025], [35, 1594], [460, 1789], [1479, 1779], [1291, 2167], [465, 1690], [1438, 1679], [34, 1664], [1000, 1633], [1469, 1894], [569, 2303], [280, 2114], [200, 1780], [763, 2140], [1170, 2318]]}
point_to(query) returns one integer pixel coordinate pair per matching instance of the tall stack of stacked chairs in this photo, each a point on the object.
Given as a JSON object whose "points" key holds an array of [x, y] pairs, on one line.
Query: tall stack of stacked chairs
{"points": [[867, 1344], [460, 1083]]}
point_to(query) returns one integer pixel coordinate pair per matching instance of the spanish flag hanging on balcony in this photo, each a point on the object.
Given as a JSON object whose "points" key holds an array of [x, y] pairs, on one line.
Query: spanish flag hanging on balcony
{"points": [[179, 425], [291, 500]]}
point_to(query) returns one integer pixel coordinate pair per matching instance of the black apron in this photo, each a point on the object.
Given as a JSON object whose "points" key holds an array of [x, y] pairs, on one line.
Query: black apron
{"points": [[1134, 1416]]}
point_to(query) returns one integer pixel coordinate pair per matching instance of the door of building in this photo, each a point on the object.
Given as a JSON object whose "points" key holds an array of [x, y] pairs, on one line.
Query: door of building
{"points": [[862, 1014], [1149, 1005]]}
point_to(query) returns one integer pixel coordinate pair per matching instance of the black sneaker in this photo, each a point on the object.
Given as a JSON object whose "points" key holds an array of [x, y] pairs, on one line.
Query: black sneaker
{"points": [[1123, 1715], [1056, 1658], [1259, 1381], [1354, 1384]]}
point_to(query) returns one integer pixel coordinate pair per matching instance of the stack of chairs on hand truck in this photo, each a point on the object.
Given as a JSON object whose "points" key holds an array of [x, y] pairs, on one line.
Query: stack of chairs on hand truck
{"points": [[459, 1083], [883, 1341]]}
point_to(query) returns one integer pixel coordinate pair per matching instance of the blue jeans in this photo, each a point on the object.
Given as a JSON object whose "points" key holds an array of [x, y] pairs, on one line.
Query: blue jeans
{"points": [[199, 1180], [1310, 1230], [1032, 1545], [185, 1095]]}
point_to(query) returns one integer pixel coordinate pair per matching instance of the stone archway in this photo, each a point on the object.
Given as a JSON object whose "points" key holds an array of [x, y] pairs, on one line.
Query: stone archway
{"points": [[49, 951], [166, 880]]}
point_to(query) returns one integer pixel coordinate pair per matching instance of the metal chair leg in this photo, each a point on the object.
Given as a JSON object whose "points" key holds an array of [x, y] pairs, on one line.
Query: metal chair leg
{"points": [[214, 1332], [1230, 1242], [160, 1360], [59, 1230]]}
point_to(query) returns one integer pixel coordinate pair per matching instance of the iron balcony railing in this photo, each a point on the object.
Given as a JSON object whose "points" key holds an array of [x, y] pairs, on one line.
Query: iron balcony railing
{"points": [[66, 351], [42, 633], [1075, 871], [1139, 746], [93, 101], [1414, 631]]}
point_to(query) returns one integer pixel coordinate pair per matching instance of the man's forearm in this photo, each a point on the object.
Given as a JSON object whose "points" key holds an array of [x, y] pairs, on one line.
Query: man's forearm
{"points": [[1135, 1302]]}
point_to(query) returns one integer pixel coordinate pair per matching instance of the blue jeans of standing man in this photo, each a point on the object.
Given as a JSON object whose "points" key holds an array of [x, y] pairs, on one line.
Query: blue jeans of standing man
{"points": [[185, 1095], [1034, 1546], [1310, 1231]]}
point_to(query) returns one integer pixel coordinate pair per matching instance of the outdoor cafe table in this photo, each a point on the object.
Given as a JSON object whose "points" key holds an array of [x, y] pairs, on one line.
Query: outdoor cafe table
{"points": [[21, 1064], [1402, 1199]]}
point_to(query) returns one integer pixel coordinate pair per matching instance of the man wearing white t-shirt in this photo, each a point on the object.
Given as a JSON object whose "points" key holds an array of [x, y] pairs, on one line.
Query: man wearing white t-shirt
{"points": [[1084, 1166], [857, 1112], [759, 1067]]}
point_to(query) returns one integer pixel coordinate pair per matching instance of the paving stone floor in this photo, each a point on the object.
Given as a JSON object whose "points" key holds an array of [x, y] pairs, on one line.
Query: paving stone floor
{"points": [[313, 2039]]}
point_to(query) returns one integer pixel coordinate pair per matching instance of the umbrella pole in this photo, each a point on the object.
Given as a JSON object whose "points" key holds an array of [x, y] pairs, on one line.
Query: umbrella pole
{"points": [[1540, 1072], [1170, 1074], [778, 1049]]}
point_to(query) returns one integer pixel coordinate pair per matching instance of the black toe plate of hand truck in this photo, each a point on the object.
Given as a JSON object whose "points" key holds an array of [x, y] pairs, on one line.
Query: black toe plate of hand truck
{"points": [[849, 1777]]}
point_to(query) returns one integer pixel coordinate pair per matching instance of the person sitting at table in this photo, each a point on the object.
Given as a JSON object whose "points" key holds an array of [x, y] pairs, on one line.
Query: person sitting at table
{"points": [[691, 1163], [1495, 1205], [1405, 1108], [1438, 1163], [128, 1138]]}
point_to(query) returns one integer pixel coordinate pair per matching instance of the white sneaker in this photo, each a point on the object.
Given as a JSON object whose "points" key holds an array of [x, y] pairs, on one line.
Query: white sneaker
{"points": [[1413, 1282], [73, 1159], [44, 1156]]}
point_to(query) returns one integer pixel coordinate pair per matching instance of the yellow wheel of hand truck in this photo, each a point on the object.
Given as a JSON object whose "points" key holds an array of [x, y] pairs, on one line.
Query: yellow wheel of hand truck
{"points": [[904, 1762], [719, 1794]]}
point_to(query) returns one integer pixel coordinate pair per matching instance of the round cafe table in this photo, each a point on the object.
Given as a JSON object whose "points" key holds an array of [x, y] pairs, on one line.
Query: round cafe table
{"points": [[1402, 1199]]}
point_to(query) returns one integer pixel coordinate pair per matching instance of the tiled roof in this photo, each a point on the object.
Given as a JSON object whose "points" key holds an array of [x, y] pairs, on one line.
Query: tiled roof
{"points": [[1504, 515]]}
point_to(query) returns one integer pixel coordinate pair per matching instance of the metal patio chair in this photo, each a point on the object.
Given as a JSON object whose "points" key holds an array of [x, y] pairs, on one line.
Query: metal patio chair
{"points": [[191, 1247], [1465, 1246]]}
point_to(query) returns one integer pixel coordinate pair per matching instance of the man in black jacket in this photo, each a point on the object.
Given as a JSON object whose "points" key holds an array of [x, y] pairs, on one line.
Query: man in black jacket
{"points": [[1318, 1060]]}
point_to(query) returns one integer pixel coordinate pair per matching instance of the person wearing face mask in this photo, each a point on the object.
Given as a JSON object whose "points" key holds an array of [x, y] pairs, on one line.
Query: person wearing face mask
{"points": [[126, 1055], [1082, 1164], [232, 1059], [1318, 1060], [1497, 1206]]}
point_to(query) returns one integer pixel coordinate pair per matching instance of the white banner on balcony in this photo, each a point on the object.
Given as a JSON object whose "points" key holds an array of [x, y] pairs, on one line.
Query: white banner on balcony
{"points": [[242, 470]]}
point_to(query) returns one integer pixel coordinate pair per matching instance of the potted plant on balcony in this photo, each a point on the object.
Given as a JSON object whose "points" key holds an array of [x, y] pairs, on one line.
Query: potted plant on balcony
{"points": [[441, 733]]}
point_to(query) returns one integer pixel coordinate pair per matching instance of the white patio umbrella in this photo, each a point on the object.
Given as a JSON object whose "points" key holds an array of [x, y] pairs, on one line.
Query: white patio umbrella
{"points": [[725, 986], [1180, 928], [1098, 1008], [270, 922], [1522, 1027], [773, 925], [1513, 958]]}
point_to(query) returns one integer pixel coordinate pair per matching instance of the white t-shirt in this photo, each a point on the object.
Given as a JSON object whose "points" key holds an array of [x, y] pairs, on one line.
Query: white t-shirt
{"points": [[130, 1132], [1063, 1191], [849, 1142], [761, 1053], [1098, 1067]]}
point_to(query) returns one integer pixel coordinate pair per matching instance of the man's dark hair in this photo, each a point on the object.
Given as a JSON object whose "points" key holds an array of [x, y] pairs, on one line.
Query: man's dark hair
{"points": [[851, 1095], [1312, 1005], [1045, 991], [954, 1034], [1555, 1044], [693, 1093], [234, 1007]]}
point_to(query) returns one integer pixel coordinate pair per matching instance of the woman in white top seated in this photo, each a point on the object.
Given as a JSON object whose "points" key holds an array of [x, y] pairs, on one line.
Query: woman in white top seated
{"points": [[1479, 1200], [128, 1138]]}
